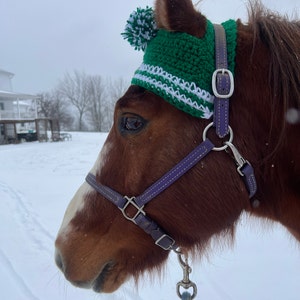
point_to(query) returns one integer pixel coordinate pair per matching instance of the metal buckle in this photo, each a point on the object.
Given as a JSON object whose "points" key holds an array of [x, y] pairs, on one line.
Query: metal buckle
{"points": [[214, 83], [130, 201], [171, 242]]}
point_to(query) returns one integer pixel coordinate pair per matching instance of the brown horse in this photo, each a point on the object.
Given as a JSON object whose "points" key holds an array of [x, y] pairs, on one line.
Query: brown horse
{"points": [[98, 248]]}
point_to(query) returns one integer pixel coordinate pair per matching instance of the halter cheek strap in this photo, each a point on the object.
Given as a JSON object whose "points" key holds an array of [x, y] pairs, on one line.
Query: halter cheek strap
{"points": [[222, 83]]}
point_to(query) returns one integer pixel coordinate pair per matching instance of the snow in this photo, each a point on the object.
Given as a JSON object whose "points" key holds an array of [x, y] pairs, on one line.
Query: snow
{"points": [[37, 181]]}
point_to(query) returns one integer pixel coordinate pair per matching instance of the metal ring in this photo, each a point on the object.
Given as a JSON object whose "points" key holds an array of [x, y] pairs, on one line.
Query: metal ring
{"points": [[217, 148]]}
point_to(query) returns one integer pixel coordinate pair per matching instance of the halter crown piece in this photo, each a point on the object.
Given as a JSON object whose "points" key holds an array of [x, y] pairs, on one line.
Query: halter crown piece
{"points": [[177, 66]]}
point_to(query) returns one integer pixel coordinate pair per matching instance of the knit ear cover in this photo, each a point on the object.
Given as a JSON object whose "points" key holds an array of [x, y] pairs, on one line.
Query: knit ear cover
{"points": [[178, 67]]}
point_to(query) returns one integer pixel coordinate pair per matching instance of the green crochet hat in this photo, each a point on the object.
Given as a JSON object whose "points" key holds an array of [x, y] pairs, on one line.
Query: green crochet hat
{"points": [[177, 66]]}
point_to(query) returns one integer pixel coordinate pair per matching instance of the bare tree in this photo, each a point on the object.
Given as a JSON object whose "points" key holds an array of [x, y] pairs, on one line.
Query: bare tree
{"points": [[115, 89], [51, 105], [103, 95], [96, 91], [92, 97], [75, 88]]}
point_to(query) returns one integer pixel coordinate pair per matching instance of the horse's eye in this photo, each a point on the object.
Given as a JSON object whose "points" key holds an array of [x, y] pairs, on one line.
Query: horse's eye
{"points": [[131, 124]]}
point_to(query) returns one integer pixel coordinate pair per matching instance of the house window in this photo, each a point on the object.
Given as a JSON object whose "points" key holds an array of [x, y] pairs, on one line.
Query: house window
{"points": [[1, 106]]}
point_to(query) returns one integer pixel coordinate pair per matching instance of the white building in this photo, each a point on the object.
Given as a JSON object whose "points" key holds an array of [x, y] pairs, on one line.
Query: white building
{"points": [[15, 108], [15, 105]]}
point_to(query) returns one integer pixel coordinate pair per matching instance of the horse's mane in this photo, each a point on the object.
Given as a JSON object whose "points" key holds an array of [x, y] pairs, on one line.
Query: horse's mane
{"points": [[281, 35]]}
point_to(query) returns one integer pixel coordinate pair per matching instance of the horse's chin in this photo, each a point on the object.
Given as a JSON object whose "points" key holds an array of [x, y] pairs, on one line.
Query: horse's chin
{"points": [[109, 279]]}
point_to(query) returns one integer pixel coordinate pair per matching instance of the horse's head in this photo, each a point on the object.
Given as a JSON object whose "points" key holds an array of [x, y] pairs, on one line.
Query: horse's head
{"points": [[154, 128]]}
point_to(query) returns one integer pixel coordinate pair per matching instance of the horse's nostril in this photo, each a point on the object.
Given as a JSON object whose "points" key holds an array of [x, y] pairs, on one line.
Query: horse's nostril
{"points": [[58, 261]]}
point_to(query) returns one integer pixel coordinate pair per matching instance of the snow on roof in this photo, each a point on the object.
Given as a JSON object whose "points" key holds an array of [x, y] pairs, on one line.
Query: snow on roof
{"points": [[6, 72], [14, 96], [21, 103]]}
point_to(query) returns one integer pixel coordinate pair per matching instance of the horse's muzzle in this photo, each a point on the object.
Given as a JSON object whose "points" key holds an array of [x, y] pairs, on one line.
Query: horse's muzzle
{"points": [[96, 283]]}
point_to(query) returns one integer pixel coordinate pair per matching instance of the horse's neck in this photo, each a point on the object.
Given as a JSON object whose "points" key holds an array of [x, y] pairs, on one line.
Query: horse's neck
{"points": [[280, 184]]}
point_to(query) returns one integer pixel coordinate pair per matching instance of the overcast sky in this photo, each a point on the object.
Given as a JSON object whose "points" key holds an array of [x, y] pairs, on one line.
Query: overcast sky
{"points": [[41, 40]]}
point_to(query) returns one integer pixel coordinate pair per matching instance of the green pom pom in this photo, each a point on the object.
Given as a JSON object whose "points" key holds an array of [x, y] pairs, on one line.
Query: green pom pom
{"points": [[140, 28]]}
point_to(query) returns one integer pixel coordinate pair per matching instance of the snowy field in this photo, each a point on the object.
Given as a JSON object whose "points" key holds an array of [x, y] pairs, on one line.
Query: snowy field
{"points": [[37, 181]]}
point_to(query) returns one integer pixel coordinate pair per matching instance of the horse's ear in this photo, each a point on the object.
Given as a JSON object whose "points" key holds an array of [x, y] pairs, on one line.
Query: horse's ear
{"points": [[179, 15]]}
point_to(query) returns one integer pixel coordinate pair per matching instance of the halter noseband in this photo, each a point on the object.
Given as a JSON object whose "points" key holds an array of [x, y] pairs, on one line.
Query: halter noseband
{"points": [[223, 86]]}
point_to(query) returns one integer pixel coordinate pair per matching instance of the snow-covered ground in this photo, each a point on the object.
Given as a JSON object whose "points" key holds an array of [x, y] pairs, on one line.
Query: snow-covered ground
{"points": [[37, 180]]}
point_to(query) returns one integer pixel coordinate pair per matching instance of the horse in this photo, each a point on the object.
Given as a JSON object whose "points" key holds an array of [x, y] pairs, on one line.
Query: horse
{"points": [[155, 136]]}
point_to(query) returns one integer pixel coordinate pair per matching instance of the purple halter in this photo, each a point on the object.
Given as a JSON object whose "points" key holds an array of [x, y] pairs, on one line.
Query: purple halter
{"points": [[223, 86]]}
